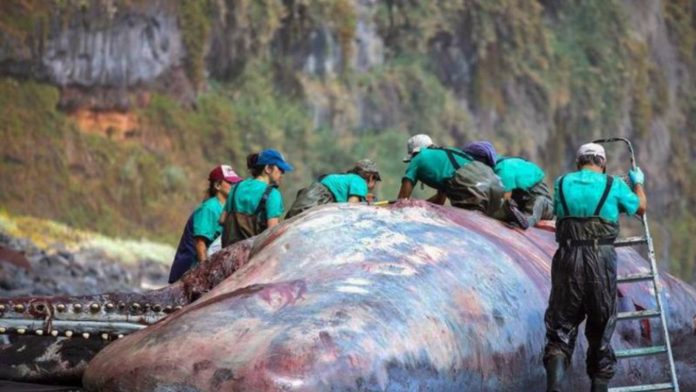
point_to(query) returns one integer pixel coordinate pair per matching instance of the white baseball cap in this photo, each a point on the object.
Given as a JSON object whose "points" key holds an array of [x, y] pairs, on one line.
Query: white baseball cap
{"points": [[415, 144], [591, 149]]}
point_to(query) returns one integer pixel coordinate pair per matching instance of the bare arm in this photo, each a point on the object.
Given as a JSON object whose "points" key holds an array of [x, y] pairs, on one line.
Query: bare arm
{"points": [[439, 198], [507, 195], [201, 249], [353, 199], [643, 206], [406, 189], [272, 222]]}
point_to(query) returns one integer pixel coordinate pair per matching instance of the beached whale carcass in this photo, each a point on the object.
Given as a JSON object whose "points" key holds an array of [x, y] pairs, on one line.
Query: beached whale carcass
{"points": [[411, 297]]}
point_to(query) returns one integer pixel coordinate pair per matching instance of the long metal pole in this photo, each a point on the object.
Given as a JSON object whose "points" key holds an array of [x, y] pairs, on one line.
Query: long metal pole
{"points": [[658, 298]]}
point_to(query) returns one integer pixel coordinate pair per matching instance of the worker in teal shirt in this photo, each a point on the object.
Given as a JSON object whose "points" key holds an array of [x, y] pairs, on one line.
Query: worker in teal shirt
{"points": [[202, 227], [583, 271], [523, 181], [456, 176], [350, 187], [255, 204]]}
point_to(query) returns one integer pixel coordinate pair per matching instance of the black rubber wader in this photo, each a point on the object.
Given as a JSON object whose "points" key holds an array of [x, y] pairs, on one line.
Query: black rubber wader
{"points": [[583, 285], [239, 226], [314, 195]]}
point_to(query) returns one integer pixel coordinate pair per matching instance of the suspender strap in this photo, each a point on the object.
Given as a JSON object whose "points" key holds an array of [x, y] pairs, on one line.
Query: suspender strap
{"points": [[262, 202], [602, 200], [607, 188], [562, 197], [453, 160], [451, 153], [234, 192], [461, 154]]}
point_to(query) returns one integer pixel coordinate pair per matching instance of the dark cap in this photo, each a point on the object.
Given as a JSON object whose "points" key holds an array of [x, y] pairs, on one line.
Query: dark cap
{"points": [[483, 151]]}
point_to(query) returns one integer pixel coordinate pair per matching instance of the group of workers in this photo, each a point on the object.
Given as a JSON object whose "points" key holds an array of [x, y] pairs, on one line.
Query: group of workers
{"points": [[236, 209], [587, 204]]}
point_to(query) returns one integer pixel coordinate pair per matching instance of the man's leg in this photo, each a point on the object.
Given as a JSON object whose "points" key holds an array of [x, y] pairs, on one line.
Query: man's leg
{"points": [[563, 315], [536, 202], [542, 208], [511, 213], [601, 318]]}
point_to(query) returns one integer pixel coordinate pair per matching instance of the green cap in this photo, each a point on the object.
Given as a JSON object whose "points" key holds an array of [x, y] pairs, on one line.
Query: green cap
{"points": [[368, 166]]}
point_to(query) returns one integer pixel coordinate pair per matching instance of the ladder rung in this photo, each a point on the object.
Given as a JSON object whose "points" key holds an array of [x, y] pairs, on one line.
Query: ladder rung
{"points": [[638, 314], [643, 276], [647, 387], [629, 241], [639, 352]]}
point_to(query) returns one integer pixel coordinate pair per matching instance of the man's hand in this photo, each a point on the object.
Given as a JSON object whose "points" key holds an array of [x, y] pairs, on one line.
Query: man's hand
{"points": [[439, 198], [636, 176], [272, 222], [406, 189]]}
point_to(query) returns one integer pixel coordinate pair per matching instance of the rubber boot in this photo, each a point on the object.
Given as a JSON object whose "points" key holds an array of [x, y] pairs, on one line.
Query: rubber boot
{"points": [[599, 385], [516, 216], [555, 370]]}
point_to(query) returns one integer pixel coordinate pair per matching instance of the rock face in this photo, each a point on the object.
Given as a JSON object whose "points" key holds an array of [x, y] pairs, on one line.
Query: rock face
{"points": [[413, 297], [100, 55], [538, 78], [130, 50], [106, 54]]}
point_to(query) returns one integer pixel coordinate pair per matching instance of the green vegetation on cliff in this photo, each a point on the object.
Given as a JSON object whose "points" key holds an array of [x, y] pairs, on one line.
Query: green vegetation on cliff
{"points": [[536, 77]]}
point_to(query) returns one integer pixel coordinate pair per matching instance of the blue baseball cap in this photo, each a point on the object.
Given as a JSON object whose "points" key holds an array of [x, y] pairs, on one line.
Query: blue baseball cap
{"points": [[274, 157]]}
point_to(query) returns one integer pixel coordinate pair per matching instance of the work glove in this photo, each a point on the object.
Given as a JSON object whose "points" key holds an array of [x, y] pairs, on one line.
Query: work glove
{"points": [[636, 175]]}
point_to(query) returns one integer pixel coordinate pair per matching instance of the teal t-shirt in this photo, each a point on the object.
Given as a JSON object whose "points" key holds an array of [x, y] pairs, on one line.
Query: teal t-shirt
{"points": [[518, 173], [205, 219], [248, 196], [346, 185], [433, 167], [583, 189]]}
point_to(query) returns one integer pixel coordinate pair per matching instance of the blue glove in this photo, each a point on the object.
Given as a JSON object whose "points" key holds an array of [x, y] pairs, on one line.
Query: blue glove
{"points": [[636, 176]]}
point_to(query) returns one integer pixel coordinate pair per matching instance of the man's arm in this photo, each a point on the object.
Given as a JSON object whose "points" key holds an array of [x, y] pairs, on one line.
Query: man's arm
{"points": [[638, 179], [353, 199], [406, 189], [507, 195], [272, 222], [201, 249], [643, 200], [439, 198]]}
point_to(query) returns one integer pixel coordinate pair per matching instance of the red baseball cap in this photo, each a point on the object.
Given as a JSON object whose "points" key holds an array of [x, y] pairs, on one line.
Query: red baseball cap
{"points": [[224, 172]]}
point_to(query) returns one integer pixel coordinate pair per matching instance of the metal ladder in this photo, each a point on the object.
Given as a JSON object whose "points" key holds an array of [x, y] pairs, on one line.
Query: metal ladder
{"points": [[652, 276]]}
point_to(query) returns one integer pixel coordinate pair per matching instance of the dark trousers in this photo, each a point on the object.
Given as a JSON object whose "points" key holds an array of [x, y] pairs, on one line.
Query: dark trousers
{"points": [[535, 202], [314, 195], [583, 282], [475, 186]]}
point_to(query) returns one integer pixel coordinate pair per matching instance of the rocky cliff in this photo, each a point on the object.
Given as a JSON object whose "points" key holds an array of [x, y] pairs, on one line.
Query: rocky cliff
{"points": [[137, 98]]}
